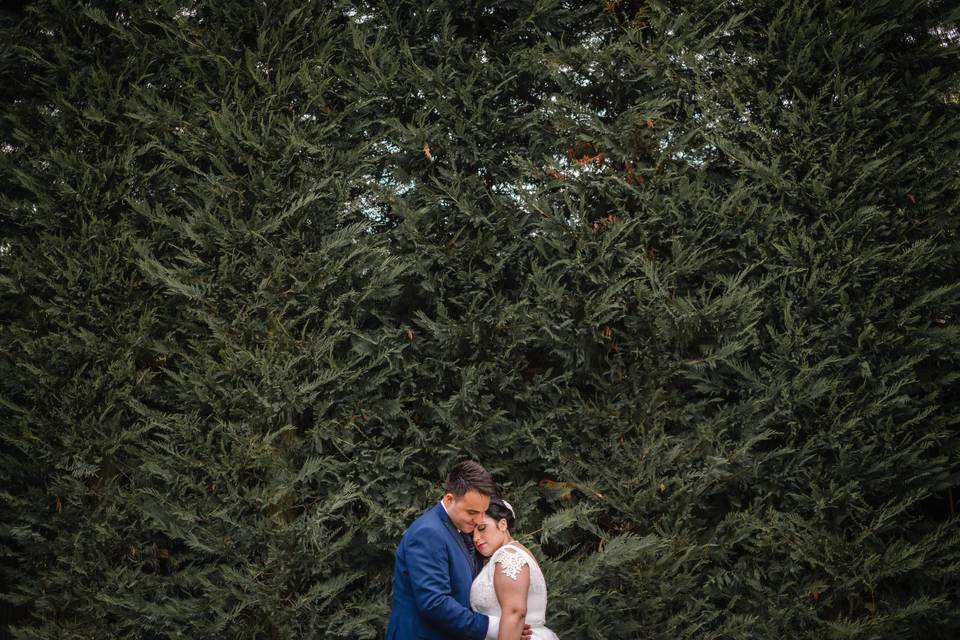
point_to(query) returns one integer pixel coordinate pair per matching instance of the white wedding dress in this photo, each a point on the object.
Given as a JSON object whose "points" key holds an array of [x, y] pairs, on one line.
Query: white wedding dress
{"points": [[511, 558]]}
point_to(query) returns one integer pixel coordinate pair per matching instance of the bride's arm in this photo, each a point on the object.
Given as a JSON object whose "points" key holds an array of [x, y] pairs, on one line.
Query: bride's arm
{"points": [[511, 589]]}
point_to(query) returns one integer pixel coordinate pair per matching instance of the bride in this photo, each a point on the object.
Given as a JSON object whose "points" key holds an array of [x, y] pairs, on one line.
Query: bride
{"points": [[511, 586]]}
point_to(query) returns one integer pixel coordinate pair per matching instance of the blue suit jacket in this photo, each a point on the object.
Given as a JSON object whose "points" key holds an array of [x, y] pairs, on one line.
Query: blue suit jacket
{"points": [[431, 584]]}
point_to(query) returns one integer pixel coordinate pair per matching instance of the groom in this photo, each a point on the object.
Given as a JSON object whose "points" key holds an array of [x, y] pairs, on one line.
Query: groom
{"points": [[436, 564]]}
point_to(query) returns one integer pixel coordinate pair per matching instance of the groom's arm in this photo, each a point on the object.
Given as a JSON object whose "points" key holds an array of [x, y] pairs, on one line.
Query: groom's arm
{"points": [[433, 590]]}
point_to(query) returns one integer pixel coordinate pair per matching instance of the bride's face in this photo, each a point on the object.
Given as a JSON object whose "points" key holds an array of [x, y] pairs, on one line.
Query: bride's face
{"points": [[490, 535]]}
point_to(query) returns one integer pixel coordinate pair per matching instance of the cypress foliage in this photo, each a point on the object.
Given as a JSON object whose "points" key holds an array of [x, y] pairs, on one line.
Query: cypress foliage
{"points": [[188, 295], [683, 276]]}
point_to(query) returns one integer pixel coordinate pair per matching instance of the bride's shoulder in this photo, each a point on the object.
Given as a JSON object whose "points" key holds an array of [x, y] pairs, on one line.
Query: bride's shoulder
{"points": [[515, 548], [511, 558]]}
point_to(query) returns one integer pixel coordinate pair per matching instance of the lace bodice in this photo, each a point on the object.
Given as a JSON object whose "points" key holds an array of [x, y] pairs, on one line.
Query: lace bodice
{"points": [[511, 559]]}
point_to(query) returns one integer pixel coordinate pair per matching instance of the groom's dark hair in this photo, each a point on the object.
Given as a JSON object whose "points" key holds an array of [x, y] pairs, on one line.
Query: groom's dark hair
{"points": [[467, 476]]}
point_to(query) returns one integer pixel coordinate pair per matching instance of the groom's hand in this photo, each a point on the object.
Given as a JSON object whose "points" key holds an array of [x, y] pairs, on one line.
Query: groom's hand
{"points": [[527, 632]]}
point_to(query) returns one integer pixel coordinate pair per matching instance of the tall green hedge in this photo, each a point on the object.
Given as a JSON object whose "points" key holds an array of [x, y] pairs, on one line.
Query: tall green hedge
{"points": [[682, 275]]}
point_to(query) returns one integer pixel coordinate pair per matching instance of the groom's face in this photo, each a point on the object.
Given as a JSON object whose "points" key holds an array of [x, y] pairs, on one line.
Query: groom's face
{"points": [[466, 511]]}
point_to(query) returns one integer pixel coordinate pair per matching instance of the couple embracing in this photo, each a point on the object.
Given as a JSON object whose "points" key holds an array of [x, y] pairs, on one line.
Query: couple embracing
{"points": [[442, 590]]}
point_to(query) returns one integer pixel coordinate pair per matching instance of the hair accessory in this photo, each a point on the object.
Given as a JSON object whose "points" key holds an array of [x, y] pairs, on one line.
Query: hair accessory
{"points": [[510, 507]]}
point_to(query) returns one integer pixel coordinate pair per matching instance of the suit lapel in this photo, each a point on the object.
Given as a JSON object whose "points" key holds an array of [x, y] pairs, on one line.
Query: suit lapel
{"points": [[442, 514]]}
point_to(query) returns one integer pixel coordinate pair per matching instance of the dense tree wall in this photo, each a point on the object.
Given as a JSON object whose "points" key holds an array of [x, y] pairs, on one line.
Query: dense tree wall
{"points": [[682, 275]]}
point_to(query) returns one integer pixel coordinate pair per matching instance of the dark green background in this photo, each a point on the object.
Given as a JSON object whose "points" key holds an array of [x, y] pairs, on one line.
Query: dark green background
{"points": [[682, 275]]}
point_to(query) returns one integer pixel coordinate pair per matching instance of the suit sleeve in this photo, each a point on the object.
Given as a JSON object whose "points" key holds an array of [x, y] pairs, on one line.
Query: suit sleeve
{"points": [[432, 590]]}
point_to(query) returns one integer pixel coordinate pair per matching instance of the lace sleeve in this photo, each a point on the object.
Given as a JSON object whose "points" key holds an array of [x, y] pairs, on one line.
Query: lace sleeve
{"points": [[511, 562]]}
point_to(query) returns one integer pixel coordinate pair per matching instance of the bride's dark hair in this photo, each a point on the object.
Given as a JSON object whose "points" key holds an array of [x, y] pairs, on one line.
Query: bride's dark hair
{"points": [[498, 510]]}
